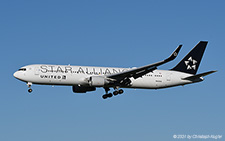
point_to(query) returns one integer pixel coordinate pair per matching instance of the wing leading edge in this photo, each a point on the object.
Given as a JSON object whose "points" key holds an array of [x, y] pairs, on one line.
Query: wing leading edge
{"points": [[140, 71]]}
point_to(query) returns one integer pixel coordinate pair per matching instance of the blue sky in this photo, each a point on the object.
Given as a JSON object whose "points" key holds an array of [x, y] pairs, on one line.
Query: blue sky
{"points": [[109, 33]]}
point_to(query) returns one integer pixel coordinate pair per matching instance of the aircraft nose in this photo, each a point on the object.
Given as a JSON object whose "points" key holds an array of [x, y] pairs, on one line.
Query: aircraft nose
{"points": [[15, 74]]}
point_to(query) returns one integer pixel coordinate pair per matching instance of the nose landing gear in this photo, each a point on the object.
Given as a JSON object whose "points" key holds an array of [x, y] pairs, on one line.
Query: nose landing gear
{"points": [[30, 90], [29, 86]]}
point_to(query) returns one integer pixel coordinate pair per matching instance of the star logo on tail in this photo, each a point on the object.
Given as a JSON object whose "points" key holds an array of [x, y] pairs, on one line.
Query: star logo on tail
{"points": [[191, 63]]}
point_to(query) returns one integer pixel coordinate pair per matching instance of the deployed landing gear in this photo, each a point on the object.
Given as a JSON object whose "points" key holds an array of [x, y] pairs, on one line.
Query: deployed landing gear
{"points": [[116, 92], [109, 95], [30, 90], [121, 91], [29, 86]]}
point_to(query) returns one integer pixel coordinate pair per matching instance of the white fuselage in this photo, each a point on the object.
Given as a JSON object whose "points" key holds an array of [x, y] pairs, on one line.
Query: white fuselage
{"points": [[76, 75]]}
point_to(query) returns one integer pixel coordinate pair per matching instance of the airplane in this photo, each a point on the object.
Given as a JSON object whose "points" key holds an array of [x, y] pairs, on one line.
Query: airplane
{"points": [[86, 78]]}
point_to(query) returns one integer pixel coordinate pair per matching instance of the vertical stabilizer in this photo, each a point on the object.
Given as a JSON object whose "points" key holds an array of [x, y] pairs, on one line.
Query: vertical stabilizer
{"points": [[191, 62]]}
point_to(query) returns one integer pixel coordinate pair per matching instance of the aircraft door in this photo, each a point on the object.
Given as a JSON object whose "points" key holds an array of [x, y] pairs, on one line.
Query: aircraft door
{"points": [[158, 80], [36, 71], [168, 79]]}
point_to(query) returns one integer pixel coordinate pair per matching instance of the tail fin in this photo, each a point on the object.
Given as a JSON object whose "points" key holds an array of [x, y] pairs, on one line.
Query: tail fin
{"points": [[191, 62]]}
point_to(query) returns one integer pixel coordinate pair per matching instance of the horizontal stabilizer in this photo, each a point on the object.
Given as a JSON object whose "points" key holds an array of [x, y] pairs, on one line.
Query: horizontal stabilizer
{"points": [[198, 76]]}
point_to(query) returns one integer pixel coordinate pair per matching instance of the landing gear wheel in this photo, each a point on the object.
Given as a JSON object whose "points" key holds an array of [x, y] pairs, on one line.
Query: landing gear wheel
{"points": [[115, 93], [30, 90], [107, 95], [110, 95], [104, 96], [120, 91]]}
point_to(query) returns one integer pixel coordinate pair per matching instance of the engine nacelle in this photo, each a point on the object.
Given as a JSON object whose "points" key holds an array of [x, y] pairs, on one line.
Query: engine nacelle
{"points": [[82, 89], [97, 81]]}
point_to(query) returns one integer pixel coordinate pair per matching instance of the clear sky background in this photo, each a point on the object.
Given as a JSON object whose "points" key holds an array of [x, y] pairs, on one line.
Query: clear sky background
{"points": [[110, 33]]}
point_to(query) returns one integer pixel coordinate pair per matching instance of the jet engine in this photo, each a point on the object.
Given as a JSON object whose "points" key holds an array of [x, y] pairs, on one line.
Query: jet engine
{"points": [[82, 89], [97, 81]]}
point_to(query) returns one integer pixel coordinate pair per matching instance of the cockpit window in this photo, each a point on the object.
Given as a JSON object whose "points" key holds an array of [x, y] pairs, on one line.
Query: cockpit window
{"points": [[22, 69]]}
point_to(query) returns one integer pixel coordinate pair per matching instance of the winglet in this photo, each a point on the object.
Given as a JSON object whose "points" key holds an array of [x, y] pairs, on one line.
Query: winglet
{"points": [[174, 54]]}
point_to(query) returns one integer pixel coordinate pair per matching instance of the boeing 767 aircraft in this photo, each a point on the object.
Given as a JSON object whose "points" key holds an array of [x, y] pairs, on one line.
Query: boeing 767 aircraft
{"points": [[85, 78]]}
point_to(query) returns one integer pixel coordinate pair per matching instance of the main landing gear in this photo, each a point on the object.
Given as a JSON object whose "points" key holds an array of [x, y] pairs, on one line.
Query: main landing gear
{"points": [[109, 95], [29, 86]]}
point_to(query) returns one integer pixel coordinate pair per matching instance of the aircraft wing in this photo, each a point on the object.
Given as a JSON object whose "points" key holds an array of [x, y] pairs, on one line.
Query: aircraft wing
{"points": [[139, 72]]}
